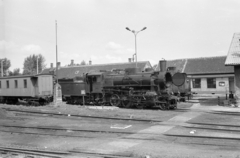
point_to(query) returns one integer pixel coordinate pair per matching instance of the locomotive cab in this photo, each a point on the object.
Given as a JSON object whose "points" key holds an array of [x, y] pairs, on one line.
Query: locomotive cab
{"points": [[95, 81]]}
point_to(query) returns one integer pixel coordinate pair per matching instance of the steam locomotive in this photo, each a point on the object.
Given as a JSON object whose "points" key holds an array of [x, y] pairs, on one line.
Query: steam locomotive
{"points": [[123, 88]]}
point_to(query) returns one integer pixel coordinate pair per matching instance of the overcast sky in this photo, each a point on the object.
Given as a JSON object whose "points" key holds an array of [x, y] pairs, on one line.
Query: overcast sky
{"points": [[95, 29]]}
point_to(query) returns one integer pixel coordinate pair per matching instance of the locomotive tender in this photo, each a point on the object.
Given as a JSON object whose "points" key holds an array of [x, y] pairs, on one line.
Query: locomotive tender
{"points": [[122, 88], [29, 89]]}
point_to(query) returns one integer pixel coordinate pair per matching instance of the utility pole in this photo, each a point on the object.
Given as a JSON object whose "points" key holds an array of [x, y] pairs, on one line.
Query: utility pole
{"points": [[56, 56], [37, 64], [1, 68], [56, 79]]}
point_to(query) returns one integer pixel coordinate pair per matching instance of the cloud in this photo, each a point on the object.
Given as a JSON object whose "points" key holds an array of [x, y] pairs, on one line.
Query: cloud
{"points": [[113, 46], [113, 59], [131, 50], [94, 57], [31, 48], [117, 48], [8, 46]]}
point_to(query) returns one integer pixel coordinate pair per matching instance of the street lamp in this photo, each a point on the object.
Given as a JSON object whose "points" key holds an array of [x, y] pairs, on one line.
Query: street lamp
{"points": [[135, 35]]}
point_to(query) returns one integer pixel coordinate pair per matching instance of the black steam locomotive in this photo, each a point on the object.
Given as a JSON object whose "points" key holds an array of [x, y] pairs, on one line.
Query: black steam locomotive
{"points": [[123, 88]]}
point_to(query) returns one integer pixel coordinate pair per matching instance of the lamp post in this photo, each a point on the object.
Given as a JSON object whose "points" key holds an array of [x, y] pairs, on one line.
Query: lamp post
{"points": [[37, 64], [135, 35], [1, 68]]}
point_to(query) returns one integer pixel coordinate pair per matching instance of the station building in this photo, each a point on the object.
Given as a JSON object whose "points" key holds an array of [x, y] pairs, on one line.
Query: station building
{"points": [[206, 75]]}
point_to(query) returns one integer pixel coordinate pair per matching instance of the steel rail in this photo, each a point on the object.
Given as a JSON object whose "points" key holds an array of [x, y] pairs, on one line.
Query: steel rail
{"points": [[209, 128], [207, 137], [81, 136], [225, 113], [57, 154], [213, 124], [22, 151], [85, 116]]}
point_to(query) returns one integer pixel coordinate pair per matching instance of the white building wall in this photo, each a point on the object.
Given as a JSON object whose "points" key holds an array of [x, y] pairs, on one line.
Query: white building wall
{"points": [[218, 90]]}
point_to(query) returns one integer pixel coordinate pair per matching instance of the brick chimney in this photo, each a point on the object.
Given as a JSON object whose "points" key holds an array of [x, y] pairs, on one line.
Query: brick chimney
{"points": [[72, 62], [90, 62], [51, 65], [129, 60]]}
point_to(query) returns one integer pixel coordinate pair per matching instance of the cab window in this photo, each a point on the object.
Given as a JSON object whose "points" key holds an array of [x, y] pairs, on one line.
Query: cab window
{"points": [[25, 83], [16, 83], [7, 82]]}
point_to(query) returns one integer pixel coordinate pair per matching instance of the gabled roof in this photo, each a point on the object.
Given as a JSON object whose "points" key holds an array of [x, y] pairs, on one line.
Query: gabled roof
{"points": [[204, 65], [71, 72], [178, 63], [233, 57]]}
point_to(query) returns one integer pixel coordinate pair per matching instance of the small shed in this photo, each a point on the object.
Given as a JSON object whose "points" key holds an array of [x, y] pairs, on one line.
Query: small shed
{"points": [[233, 59]]}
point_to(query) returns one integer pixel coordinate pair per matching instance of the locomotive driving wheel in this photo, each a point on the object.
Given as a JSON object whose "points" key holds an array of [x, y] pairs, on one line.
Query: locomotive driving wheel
{"points": [[115, 100], [126, 101], [138, 103]]}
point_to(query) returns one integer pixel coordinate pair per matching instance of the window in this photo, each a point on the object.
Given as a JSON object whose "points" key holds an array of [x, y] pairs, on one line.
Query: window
{"points": [[16, 84], [211, 82], [25, 83], [7, 84], [196, 82]]}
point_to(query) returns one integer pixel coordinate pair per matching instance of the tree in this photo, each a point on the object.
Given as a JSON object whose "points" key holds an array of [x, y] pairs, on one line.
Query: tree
{"points": [[30, 64], [6, 65], [83, 63], [15, 72]]}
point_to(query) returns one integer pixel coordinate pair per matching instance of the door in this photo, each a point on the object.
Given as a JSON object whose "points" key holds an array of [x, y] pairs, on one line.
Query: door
{"points": [[231, 84]]}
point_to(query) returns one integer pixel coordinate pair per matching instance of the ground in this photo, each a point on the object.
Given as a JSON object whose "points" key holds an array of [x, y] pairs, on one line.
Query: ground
{"points": [[197, 128]]}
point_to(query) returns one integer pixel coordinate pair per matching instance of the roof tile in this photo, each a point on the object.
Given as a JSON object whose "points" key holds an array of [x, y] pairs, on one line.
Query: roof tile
{"points": [[233, 57], [204, 65], [71, 72]]}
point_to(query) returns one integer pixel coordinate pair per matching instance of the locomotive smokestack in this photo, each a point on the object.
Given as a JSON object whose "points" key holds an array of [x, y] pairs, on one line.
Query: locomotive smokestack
{"points": [[163, 65], [129, 60]]}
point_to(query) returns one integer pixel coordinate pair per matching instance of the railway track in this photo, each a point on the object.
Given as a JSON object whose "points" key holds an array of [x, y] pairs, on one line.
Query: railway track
{"points": [[29, 152], [70, 132], [225, 113], [80, 116], [225, 142], [66, 132], [209, 134]]}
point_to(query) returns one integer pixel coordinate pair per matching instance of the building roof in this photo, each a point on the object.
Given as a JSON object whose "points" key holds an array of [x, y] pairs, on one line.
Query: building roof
{"points": [[233, 57], [73, 71], [204, 65]]}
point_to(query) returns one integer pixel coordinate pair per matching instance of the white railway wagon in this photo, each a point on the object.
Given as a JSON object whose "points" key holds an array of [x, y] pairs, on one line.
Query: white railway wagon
{"points": [[28, 88]]}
